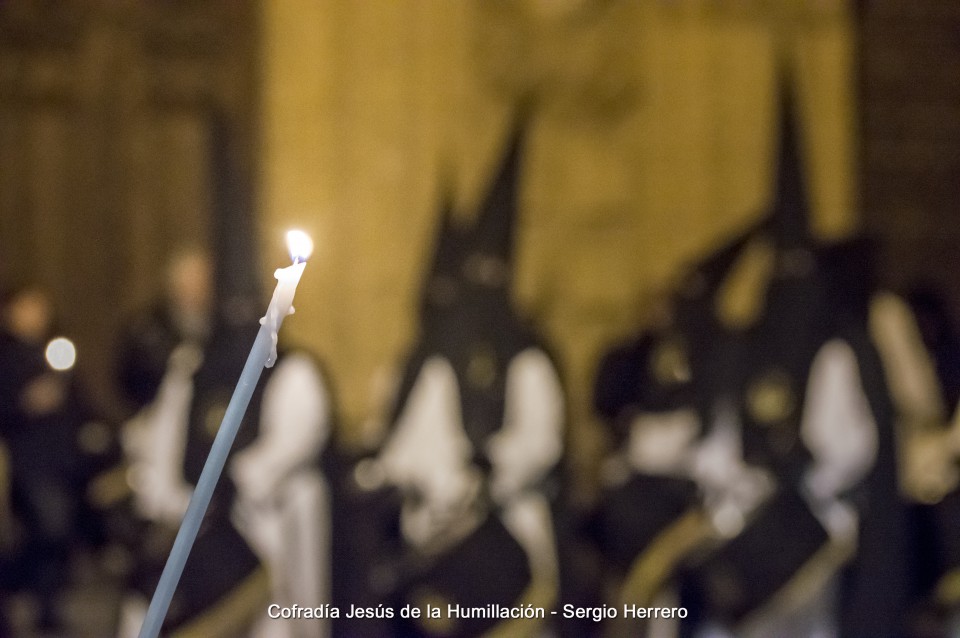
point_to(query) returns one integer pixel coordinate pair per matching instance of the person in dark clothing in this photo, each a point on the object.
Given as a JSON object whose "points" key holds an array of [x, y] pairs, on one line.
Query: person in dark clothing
{"points": [[150, 336], [654, 393], [798, 472], [477, 428], [40, 417]]}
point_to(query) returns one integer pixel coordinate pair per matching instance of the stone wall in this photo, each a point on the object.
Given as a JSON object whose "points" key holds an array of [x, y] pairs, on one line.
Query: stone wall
{"points": [[655, 136], [105, 162]]}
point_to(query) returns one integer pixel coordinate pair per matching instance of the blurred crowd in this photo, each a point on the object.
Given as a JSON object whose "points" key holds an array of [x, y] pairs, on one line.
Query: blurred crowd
{"points": [[796, 477]]}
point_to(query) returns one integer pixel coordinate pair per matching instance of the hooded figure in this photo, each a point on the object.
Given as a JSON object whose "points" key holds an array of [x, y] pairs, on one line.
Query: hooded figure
{"points": [[265, 536], [798, 468], [655, 394], [476, 430]]}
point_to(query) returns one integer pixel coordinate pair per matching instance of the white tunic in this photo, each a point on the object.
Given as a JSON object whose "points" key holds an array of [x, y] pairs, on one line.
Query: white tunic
{"points": [[837, 427], [429, 453], [282, 505]]}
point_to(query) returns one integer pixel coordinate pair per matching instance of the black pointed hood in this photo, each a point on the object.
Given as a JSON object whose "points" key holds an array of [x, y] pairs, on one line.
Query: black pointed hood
{"points": [[472, 264], [441, 286], [467, 314], [495, 224], [797, 309], [791, 213]]}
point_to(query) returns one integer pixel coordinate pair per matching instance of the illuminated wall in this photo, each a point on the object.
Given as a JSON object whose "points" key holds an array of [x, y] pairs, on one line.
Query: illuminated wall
{"points": [[656, 135]]}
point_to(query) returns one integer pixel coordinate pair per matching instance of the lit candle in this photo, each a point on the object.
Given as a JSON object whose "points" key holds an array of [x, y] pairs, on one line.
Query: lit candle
{"points": [[262, 354]]}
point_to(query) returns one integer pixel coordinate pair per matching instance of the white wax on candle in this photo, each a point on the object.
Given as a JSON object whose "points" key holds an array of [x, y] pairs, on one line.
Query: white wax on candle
{"points": [[281, 304]]}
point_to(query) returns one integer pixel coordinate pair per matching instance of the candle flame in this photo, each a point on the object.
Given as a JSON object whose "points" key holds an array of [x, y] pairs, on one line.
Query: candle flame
{"points": [[300, 245]]}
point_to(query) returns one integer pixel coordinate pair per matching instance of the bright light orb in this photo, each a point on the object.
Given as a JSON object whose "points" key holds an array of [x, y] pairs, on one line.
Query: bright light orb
{"points": [[61, 354], [300, 245]]}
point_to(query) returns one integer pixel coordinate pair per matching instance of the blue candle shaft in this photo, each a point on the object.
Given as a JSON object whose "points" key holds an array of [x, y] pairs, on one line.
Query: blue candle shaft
{"points": [[205, 486]]}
